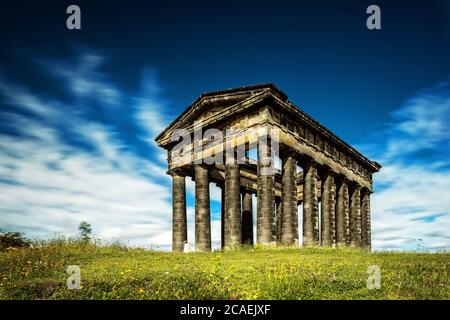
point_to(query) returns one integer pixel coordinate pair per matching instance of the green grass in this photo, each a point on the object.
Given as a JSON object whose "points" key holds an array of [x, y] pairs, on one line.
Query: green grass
{"points": [[118, 272]]}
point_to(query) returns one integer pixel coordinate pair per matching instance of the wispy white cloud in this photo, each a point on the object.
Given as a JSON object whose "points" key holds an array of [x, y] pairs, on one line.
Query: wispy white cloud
{"points": [[49, 184], [411, 206], [83, 77]]}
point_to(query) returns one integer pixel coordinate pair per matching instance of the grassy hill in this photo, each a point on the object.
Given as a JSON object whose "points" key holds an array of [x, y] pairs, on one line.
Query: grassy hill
{"points": [[118, 272]]}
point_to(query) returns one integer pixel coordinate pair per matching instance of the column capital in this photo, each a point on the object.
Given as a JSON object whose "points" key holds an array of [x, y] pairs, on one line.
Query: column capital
{"points": [[355, 186], [340, 179], [365, 190], [289, 152], [308, 163], [327, 171], [176, 172]]}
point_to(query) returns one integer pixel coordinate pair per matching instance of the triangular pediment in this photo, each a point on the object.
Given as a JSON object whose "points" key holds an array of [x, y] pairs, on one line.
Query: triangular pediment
{"points": [[217, 105]]}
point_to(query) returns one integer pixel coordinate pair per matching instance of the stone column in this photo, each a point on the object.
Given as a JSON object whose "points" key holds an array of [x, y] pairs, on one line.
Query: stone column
{"points": [[222, 217], [365, 216], [232, 226], [265, 193], [278, 220], [342, 213], [295, 225], [247, 218], [275, 220], [179, 223], [310, 205], [202, 210], [288, 199], [355, 216], [328, 207]]}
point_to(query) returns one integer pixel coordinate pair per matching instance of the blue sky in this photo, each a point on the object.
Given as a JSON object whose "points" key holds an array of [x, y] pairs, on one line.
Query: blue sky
{"points": [[80, 109]]}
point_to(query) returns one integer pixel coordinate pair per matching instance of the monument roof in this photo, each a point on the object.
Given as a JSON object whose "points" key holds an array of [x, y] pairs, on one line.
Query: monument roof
{"points": [[232, 96]]}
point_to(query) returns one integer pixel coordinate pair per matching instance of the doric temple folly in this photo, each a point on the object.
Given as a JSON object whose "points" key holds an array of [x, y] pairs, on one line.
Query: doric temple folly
{"points": [[211, 142]]}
